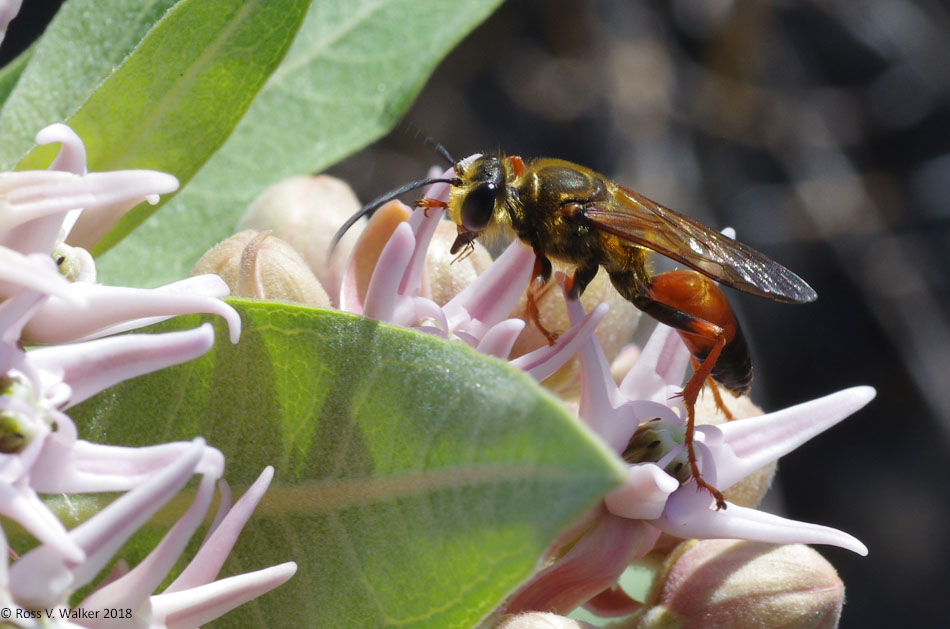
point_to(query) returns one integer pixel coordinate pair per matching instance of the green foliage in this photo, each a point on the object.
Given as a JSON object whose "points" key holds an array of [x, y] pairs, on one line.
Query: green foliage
{"points": [[417, 482], [353, 69]]}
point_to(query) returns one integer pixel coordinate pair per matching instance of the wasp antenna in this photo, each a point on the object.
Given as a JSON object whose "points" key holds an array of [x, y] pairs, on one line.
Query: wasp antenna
{"points": [[389, 196], [419, 134]]}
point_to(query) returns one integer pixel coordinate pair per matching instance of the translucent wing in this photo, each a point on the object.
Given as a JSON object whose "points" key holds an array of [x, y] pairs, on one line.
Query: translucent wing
{"points": [[636, 218]]}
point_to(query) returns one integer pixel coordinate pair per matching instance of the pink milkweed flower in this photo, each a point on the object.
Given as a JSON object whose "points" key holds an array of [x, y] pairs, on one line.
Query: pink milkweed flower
{"points": [[631, 518], [44, 580], [39, 447], [39, 209], [478, 315]]}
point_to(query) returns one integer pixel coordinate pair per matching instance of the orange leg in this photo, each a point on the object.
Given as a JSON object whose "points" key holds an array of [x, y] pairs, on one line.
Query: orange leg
{"points": [[693, 316], [690, 393], [427, 204], [717, 396], [536, 289]]}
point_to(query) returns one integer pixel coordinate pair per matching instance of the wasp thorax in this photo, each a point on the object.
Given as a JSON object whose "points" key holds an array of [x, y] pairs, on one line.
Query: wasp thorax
{"points": [[654, 441], [487, 181]]}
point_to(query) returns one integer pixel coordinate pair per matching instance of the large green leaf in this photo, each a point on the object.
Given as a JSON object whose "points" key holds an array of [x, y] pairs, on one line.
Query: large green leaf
{"points": [[354, 67], [417, 481], [181, 92], [82, 46]]}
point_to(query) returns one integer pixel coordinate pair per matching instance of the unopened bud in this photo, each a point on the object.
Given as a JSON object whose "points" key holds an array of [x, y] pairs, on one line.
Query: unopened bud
{"points": [[741, 584], [261, 266], [306, 211]]}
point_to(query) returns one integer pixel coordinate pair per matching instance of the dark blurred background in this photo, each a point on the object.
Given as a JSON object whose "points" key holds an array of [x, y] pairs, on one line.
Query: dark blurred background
{"points": [[820, 130]]}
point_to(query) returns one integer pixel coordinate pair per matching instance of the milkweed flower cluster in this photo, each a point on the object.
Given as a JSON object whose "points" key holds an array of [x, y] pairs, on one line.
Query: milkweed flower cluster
{"points": [[49, 297], [641, 418]]}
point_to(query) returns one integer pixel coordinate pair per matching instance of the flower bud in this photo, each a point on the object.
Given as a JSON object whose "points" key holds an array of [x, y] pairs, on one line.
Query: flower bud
{"points": [[738, 584], [262, 266], [306, 211]]}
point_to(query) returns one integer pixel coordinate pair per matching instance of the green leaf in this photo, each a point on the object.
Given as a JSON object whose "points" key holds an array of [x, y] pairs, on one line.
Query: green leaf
{"points": [[417, 482], [353, 69], [82, 46], [10, 74], [178, 96]]}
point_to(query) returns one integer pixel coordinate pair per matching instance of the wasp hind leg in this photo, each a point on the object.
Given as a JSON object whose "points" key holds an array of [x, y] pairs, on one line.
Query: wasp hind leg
{"points": [[712, 336]]}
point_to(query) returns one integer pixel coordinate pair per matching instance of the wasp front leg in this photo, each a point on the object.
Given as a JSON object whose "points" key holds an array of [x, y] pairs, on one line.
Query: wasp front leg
{"points": [[536, 289]]}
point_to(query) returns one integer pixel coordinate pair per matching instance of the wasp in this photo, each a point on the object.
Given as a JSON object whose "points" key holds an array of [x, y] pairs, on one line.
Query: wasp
{"points": [[567, 212]]}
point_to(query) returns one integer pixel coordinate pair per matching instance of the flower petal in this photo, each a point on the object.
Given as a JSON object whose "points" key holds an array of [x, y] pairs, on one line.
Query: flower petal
{"points": [[592, 565], [688, 514], [60, 322], [94, 366], [644, 495], [190, 608], [758, 441], [207, 562]]}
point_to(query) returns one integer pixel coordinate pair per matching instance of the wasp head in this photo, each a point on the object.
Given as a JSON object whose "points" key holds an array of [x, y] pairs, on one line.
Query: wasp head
{"points": [[482, 189]]}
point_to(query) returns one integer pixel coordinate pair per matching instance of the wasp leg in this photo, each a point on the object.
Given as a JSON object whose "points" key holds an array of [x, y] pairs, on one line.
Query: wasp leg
{"points": [[428, 204], [711, 332], [536, 289], [579, 281], [714, 388]]}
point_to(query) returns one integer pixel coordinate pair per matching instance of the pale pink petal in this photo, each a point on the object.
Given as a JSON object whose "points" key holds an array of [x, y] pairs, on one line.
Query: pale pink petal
{"points": [[8, 11], [60, 322], [365, 255], [658, 374], [36, 273], [690, 514], [72, 153], [592, 565], [758, 441], [207, 285], [24, 507], [28, 196], [493, 296], [84, 467], [644, 495], [545, 360], [207, 562], [137, 585], [382, 293], [94, 366], [190, 608], [500, 338], [135, 187], [44, 578]]}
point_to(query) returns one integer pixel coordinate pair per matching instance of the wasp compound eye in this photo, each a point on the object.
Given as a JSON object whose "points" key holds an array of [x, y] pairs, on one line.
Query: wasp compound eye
{"points": [[478, 206]]}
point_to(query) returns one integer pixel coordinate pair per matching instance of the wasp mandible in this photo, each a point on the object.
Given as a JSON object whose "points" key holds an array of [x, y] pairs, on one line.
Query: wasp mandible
{"points": [[567, 212]]}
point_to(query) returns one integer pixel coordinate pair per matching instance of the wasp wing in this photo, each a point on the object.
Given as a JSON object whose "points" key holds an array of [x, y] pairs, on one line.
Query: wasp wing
{"points": [[633, 217]]}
